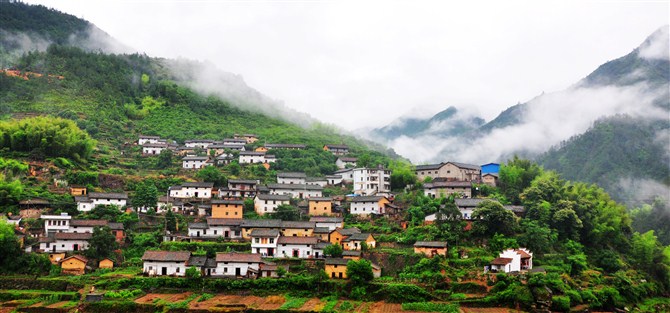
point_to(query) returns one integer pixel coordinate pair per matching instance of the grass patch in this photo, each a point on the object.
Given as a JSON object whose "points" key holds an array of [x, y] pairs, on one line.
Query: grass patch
{"points": [[431, 307], [205, 297], [293, 303]]}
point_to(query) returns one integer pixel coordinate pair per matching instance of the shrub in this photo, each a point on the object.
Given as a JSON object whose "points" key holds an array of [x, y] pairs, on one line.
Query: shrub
{"points": [[430, 307], [560, 303], [401, 293]]}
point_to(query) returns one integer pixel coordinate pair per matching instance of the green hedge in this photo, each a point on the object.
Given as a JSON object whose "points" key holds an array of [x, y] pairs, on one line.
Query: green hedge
{"points": [[39, 284], [8, 295], [119, 307], [209, 246]]}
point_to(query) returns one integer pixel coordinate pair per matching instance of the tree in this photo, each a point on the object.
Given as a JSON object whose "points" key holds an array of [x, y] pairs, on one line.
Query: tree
{"points": [[334, 251], [567, 223], [493, 218], [146, 196], [286, 212], [402, 175], [213, 175], [9, 247], [193, 273], [515, 176], [537, 238], [359, 272], [164, 159], [170, 221], [102, 243]]}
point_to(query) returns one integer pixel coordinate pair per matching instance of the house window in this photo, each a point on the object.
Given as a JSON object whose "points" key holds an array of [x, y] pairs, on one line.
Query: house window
{"points": [[272, 240], [177, 270], [258, 240]]}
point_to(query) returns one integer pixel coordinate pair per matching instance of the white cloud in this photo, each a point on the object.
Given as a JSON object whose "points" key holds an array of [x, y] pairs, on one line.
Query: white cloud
{"points": [[657, 46]]}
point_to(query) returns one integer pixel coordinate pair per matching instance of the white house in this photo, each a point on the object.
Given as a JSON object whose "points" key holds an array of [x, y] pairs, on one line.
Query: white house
{"points": [[365, 205], [343, 162], [225, 227], [198, 190], [198, 143], [251, 157], [65, 242], [513, 260], [237, 264], [347, 175], [239, 188], [163, 263], [93, 199], [319, 181], [147, 139], [337, 149], [153, 148], [193, 162], [291, 178], [296, 247], [85, 226], [234, 142], [56, 223], [438, 189], [370, 181], [300, 191], [264, 241], [330, 222], [334, 180], [268, 203]]}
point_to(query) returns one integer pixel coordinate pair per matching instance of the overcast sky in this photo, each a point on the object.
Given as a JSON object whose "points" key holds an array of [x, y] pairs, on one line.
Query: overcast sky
{"points": [[362, 63]]}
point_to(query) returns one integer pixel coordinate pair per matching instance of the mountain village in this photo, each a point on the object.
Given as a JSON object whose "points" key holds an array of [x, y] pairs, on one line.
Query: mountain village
{"points": [[218, 213]]}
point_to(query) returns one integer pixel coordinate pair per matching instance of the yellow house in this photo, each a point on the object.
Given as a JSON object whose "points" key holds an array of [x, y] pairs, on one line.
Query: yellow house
{"points": [[322, 233], [431, 248], [351, 255], [336, 268], [297, 228], [321, 206], [75, 265], [337, 235], [227, 208], [355, 241], [261, 149], [76, 190], [55, 258], [106, 263]]}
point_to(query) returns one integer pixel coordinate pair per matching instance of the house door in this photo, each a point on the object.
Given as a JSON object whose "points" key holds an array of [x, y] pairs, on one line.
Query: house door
{"points": [[340, 274], [196, 194], [209, 272], [53, 248], [226, 234], [296, 253], [198, 234], [316, 254], [332, 274], [271, 251], [300, 195], [75, 247], [164, 271], [238, 271]]}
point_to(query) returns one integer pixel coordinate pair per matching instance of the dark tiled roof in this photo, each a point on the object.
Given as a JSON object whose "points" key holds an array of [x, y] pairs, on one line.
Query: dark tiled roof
{"points": [[321, 244], [242, 181], [297, 224], [469, 202], [284, 145], [224, 221], [357, 237], [291, 175], [366, 199], [166, 256], [320, 199], [427, 167], [337, 261], [198, 261], [348, 231], [238, 257], [198, 225], [294, 240], [252, 153], [107, 195], [261, 223], [33, 201], [264, 233], [515, 208], [273, 197], [337, 146], [198, 185], [78, 257], [351, 253], [348, 159], [321, 230], [295, 186], [73, 236], [431, 244], [88, 223], [326, 219], [194, 158], [235, 202], [501, 261], [468, 166]]}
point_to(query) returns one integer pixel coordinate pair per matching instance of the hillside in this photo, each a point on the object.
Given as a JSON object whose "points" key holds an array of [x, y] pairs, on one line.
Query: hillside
{"points": [[449, 122]]}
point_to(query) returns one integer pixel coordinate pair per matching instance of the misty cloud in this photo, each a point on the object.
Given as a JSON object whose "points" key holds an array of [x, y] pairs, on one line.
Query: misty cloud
{"points": [[638, 191], [16, 44], [549, 119], [94, 39], [658, 45]]}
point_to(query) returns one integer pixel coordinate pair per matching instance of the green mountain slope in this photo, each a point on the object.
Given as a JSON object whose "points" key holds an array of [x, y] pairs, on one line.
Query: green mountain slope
{"points": [[117, 97], [445, 123]]}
